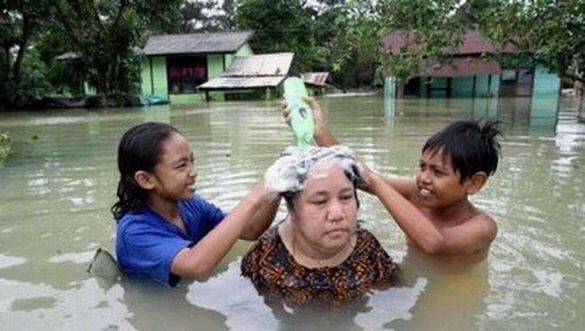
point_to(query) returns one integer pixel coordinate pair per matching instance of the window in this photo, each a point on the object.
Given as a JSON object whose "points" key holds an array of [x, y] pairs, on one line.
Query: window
{"points": [[185, 73]]}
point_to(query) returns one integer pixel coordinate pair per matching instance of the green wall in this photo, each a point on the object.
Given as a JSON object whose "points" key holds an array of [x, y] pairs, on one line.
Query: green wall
{"points": [[215, 67], [243, 51], [155, 81], [545, 95]]}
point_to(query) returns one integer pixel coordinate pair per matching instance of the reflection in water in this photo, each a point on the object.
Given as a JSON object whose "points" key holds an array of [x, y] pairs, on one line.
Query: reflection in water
{"points": [[57, 190], [155, 307], [454, 294]]}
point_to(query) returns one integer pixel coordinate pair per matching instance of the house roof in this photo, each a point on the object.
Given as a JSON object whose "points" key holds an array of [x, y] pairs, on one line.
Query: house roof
{"points": [[197, 43], [274, 64], [465, 67], [473, 43], [315, 78], [261, 70], [242, 83]]}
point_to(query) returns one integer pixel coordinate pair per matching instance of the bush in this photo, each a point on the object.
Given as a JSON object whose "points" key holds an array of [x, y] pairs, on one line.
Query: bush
{"points": [[5, 146]]}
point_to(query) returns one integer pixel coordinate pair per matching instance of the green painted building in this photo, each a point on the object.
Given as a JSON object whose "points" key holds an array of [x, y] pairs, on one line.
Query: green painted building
{"points": [[175, 65]]}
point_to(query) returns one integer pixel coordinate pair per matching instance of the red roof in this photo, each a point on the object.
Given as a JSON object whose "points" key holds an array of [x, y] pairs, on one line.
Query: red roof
{"points": [[467, 66], [473, 43]]}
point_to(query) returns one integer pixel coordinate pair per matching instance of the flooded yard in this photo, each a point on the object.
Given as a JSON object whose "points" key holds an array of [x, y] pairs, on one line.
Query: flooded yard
{"points": [[56, 191]]}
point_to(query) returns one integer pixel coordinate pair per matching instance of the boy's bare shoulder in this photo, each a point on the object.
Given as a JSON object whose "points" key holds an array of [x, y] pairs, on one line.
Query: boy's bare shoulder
{"points": [[486, 227]]}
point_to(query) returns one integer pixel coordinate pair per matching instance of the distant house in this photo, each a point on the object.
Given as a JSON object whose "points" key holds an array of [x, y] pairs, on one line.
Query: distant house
{"points": [[255, 76], [316, 82], [470, 74], [175, 65]]}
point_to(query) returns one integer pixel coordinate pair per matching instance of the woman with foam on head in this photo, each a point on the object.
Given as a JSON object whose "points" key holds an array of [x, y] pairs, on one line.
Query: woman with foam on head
{"points": [[319, 252]]}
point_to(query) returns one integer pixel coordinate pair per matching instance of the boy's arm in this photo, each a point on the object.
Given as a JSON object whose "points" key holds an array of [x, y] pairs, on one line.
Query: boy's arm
{"points": [[464, 239], [323, 136], [198, 261]]}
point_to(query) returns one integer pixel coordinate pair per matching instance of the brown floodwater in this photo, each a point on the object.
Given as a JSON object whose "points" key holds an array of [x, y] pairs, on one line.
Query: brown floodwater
{"points": [[57, 187]]}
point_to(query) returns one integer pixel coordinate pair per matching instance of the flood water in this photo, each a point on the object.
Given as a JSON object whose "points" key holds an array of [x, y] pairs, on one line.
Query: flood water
{"points": [[57, 188]]}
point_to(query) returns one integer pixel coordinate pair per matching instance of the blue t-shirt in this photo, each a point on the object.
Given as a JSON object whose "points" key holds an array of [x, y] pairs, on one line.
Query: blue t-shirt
{"points": [[146, 243]]}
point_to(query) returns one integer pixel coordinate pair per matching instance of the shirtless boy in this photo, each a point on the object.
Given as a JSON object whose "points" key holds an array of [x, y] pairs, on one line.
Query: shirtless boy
{"points": [[433, 208]]}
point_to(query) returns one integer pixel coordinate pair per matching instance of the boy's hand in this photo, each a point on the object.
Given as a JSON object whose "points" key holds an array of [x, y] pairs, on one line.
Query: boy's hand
{"points": [[369, 177], [286, 113], [318, 115], [322, 135]]}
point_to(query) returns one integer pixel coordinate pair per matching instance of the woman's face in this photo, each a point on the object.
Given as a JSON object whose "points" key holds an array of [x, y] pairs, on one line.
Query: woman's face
{"points": [[325, 212]]}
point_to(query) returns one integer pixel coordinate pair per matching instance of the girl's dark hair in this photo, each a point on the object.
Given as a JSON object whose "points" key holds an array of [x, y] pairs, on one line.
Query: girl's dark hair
{"points": [[471, 147], [140, 149]]}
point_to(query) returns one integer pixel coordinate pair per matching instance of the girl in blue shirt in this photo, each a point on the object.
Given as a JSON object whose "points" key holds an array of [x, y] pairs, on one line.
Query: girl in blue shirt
{"points": [[166, 232]]}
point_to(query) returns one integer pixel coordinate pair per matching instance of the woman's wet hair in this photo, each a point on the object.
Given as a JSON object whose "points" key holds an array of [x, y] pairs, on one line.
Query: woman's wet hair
{"points": [[290, 172], [470, 146], [140, 149]]}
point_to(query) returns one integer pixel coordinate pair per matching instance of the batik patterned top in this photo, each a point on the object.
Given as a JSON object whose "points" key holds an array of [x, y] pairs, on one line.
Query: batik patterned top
{"points": [[274, 271]]}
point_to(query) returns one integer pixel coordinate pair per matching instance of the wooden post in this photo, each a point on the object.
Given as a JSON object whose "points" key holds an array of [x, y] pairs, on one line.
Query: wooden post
{"points": [[429, 83]]}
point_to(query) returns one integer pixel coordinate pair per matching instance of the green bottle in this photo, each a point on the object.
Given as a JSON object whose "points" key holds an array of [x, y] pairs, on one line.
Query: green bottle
{"points": [[302, 121]]}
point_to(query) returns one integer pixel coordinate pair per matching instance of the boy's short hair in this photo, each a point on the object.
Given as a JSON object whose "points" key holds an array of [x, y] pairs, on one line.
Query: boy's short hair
{"points": [[471, 147]]}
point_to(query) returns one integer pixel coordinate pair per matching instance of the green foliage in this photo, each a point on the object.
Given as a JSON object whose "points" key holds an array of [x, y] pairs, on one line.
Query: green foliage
{"points": [[109, 34], [431, 29], [281, 26], [551, 32], [5, 146], [31, 86]]}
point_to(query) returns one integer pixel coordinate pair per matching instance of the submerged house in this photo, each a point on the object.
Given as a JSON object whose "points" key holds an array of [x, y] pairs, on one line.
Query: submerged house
{"points": [[470, 73], [188, 68], [175, 65], [316, 82]]}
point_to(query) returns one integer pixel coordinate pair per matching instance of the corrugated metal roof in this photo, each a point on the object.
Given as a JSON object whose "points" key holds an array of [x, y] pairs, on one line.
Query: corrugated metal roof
{"points": [[209, 42], [236, 83], [315, 78], [274, 64], [256, 71], [473, 43], [467, 66]]}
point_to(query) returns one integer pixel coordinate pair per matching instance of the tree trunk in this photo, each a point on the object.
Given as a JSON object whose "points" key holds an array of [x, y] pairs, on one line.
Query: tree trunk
{"points": [[26, 32], [8, 66]]}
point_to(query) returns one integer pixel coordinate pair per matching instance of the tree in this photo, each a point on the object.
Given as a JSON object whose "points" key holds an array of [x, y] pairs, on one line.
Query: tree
{"points": [[552, 32], [430, 28], [20, 22], [109, 34]]}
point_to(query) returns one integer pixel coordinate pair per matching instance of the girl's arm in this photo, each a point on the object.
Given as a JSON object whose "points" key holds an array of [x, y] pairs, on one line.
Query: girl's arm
{"points": [[261, 220], [198, 261]]}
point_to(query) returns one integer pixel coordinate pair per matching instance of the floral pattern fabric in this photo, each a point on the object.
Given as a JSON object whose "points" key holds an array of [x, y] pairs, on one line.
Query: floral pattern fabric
{"points": [[274, 271]]}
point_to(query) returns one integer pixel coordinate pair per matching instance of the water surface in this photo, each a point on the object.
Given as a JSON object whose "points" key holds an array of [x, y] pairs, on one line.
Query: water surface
{"points": [[58, 186]]}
